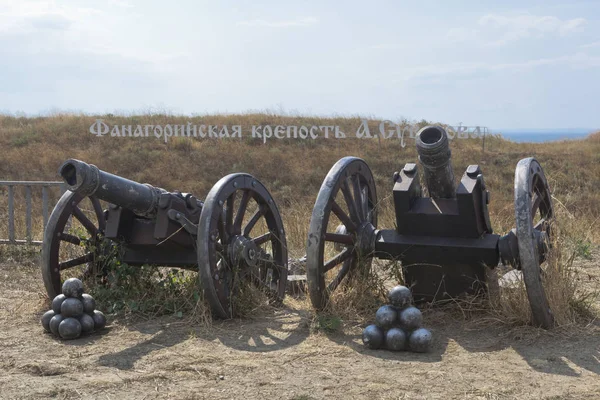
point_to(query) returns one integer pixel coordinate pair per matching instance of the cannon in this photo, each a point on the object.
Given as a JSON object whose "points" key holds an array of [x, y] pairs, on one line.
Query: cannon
{"points": [[235, 236], [444, 241]]}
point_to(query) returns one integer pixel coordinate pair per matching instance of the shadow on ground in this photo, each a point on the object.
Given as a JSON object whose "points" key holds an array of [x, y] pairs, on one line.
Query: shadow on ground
{"points": [[284, 329], [547, 352]]}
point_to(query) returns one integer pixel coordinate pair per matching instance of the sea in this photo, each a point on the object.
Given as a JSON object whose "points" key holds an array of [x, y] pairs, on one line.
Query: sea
{"points": [[543, 135]]}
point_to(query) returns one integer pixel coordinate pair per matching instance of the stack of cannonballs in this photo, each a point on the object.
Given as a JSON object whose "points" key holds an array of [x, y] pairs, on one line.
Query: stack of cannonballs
{"points": [[398, 325], [73, 312]]}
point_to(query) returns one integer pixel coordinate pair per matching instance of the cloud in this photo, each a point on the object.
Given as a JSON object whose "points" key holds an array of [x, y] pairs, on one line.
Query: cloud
{"points": [[590, 45], [298, 22], [470, 70], [499, 30]]}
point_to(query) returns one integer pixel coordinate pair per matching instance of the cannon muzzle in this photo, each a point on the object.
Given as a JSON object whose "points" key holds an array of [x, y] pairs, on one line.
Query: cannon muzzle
{"points": [[434, 156], [87, 180]]}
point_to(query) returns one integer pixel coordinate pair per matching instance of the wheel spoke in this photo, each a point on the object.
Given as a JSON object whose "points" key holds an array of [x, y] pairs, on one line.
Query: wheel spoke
{"points": [[229, 215], [99, 213], [365, 203], [259, 213], [535, 203], [337, 210], [66, 237], [239, 216], [262, 239], [349, 200], [89, 257], [340, 276], [89, 225], [339, 238], [343, 256], [358, 197]]}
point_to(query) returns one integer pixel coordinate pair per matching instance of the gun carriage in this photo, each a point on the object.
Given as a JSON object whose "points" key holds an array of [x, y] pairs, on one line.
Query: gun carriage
{"points": [[444, 241], [235, 236]]}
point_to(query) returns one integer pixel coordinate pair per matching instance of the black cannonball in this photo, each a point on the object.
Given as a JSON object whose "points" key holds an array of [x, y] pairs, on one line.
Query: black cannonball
{"points": [[386, 317], [400, 296], [87, 323], [54, 323], [411, 318], [71, 308], [395, 339], [89, 304], [372, 337], [99, 320], [72, 287], [57, 302], [46, 319], [420, 340], [69, 328]]}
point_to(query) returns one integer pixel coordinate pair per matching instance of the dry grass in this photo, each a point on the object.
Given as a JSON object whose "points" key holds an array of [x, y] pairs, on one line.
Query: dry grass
{"points": [[293, 170]]}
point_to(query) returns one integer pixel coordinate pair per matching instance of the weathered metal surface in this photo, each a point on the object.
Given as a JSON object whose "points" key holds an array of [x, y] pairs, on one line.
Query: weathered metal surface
{"points": [[88, 180], [444, 241], [150, 226], [434, 154]]}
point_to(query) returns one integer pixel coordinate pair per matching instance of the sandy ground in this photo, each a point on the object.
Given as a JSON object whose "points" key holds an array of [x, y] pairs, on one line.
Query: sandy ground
{"points": [[277, 357]]}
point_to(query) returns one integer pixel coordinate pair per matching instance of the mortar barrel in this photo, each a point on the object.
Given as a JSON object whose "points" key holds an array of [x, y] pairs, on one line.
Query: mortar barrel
{"points": [[435, 158]]}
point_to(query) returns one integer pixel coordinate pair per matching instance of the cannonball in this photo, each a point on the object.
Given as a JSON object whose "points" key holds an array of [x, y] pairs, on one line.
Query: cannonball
{"points": [[386, 317], [72, 287], [69, 328], [54, 323], [99, 320], [71, 308], [46, 319], [411, 318], [420, 340], [372, 337], [400, 296], [395, 339], [87, 323], [89, 304], [57, 302]]}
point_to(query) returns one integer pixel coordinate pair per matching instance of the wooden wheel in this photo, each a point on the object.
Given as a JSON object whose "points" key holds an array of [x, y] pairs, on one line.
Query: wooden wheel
{"points": [[534, 213], [341, 227], [240, 240], [72, 240]]}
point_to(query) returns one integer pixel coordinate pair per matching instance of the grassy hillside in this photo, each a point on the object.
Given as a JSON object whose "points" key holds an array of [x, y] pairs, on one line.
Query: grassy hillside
{"points": [[293, 170], [33, 148]]}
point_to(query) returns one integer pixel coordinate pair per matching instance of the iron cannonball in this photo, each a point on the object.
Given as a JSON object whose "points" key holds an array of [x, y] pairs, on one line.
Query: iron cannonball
{"points": [[54, 323], [56, 303], [99, 320], [87, 323], [72, 287], [373, 337], [89, 304], [71, 308], [46, 319], [411, 318], [69, 328], [420, 340], [386, 317], [395, 339], [400, 296]]}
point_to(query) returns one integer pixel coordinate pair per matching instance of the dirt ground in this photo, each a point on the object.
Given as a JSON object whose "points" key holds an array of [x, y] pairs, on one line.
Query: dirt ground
{"points": [[277, 357]]}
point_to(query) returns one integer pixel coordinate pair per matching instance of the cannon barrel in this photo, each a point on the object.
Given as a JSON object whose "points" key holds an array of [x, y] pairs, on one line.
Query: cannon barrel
{"points": [[87, 180], [434, 156]]}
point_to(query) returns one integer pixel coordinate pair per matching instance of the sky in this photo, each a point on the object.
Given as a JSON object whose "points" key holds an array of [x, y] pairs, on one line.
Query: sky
{"points": [[509, 64]]}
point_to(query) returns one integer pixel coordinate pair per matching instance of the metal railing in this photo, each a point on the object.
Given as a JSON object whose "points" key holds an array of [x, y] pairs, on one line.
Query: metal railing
{"points": [[45, 185]]}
